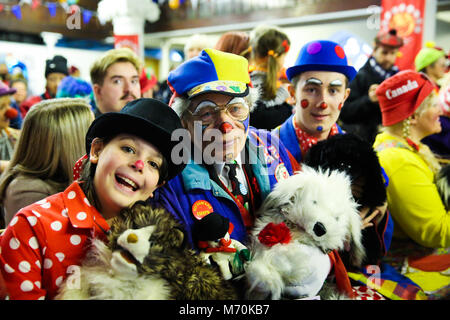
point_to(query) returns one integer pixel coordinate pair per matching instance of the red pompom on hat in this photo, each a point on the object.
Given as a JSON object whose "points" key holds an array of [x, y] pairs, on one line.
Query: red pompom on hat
{"points": [[400, 95], [390, 39]]}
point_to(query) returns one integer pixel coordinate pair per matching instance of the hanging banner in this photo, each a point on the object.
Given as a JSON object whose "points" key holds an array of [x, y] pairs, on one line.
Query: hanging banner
{"points": [[407, 17], [127, 41]]}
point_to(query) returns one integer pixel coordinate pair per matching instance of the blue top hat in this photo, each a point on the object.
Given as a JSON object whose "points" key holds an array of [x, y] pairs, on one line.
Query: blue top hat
{"points": [[321, 55]]}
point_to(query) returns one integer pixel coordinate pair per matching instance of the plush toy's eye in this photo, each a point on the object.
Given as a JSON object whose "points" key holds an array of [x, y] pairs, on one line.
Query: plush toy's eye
{"points": [[314, 202]]}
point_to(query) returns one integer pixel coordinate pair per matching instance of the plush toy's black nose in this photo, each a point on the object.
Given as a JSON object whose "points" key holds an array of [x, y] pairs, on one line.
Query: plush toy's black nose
{"points": [[319, 229]]}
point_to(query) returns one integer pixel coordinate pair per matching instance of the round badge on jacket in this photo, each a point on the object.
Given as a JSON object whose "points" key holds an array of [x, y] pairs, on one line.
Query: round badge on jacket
{"points": [[201, 208]]}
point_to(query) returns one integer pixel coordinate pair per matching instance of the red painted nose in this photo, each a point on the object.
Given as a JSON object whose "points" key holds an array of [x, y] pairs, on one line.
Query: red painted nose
{"points": [[139, 165], [226, 127], [323, 105]]}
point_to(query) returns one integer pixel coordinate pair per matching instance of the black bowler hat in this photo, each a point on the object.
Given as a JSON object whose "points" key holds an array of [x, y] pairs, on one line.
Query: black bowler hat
{"points": [[149, 119]]}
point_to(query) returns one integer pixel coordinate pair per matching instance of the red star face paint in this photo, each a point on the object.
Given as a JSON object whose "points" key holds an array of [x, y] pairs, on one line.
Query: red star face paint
{"points": [[340, 106], [304, 103]]}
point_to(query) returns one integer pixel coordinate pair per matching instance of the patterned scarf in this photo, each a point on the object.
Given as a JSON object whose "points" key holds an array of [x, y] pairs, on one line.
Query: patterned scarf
{"points": [[384, 74], [306, 141]]}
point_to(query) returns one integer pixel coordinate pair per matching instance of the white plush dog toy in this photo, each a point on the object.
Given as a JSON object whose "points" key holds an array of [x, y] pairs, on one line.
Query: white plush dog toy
{"points": [[302, 220]]}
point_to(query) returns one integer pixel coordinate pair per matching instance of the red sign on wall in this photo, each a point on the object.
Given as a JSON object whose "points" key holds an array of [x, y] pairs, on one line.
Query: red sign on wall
{"points": [[407, 17], [127, 41]]}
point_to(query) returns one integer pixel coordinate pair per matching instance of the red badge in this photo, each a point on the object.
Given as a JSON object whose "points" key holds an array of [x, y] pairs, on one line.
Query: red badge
{"points": [[201, 208]]}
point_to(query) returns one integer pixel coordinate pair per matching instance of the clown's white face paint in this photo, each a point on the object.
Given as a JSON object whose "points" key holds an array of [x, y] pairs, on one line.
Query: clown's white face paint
{"points": [[223, 137], [320, 95]]}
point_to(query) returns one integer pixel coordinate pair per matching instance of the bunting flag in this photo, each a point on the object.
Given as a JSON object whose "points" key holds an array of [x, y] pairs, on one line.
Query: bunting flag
{"points": [[406, 16], [17, 11], [52, 6], [87, 15], [69, 6], [35, 4]]}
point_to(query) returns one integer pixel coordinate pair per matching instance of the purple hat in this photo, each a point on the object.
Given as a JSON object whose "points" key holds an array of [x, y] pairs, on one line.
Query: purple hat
{"points": [[5, 90], [321, 55]]}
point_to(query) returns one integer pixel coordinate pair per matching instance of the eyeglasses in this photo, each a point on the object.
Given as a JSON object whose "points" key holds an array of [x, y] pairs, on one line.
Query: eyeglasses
{"points": [[207, 114]]}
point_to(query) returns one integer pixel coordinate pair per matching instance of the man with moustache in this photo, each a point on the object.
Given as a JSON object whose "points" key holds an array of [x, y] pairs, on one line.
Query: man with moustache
{"points": [[232, 167], [115, 80], [361, 114]]}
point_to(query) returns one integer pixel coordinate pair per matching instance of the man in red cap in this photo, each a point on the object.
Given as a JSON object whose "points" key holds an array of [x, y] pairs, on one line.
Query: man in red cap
{"points": [[361, 114]]}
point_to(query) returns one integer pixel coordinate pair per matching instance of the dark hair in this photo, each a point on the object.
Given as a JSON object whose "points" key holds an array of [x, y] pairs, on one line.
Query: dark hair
{"points": [[356, 157]]}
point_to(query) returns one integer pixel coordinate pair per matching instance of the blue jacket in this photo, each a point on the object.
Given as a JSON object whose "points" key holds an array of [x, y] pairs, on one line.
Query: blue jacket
{"points": [[287, 135], [270, 162]]}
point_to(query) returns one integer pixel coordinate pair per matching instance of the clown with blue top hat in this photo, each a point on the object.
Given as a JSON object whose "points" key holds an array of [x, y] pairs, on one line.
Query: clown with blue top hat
{"points": [[232, 166], [320, 78]]}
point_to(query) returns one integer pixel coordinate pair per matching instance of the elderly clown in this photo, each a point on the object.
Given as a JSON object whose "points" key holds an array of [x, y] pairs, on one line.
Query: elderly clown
{"points": [[238, 164]]}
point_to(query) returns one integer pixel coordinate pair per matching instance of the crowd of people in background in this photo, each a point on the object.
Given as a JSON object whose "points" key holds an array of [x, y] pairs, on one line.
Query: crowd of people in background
{"points": [[388, 129]]}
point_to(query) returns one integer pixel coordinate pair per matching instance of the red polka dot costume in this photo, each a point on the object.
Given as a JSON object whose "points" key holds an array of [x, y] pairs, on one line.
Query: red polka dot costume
{"points": [[45, 241]]}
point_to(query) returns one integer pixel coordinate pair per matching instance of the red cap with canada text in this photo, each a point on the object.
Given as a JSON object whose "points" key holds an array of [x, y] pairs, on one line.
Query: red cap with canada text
{"points": [[400, 95]]}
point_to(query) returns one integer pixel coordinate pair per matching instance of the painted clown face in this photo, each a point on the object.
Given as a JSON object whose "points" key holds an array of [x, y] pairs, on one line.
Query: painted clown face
{"points": [[218, 125], [127, 171], [320, 96]]}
